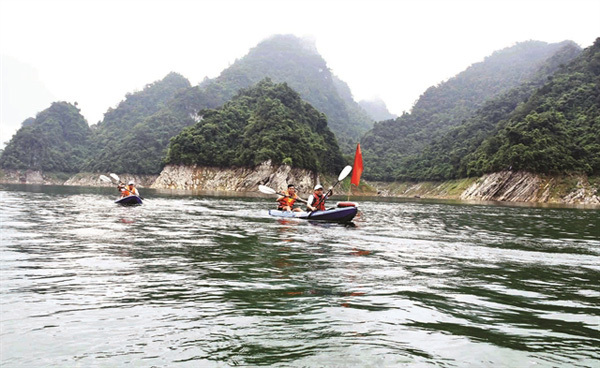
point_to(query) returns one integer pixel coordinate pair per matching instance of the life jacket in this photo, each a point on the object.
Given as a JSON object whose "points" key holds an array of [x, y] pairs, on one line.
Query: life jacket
{"points": [[125, 192], [320, 201], [288, 200], [132, 191]]}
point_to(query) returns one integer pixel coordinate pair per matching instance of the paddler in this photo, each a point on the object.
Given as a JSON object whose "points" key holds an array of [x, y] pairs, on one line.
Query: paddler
{"points": [[316, 202], [129, 189], [287, 200]]}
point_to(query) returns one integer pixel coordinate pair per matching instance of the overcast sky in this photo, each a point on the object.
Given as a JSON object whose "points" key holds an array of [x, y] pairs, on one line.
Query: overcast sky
{"points": [[94, 52]]}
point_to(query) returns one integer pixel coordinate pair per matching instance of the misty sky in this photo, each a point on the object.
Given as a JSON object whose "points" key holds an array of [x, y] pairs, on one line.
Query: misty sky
{"points": [[94, 52]]}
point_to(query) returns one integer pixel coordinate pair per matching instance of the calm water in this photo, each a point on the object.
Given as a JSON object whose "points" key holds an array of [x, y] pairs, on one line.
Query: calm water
{"points": [[200, 281]]}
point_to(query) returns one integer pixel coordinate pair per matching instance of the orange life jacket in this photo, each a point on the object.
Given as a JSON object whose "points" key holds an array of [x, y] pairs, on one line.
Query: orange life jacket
{"points": [[288, 200], [320, 201]]}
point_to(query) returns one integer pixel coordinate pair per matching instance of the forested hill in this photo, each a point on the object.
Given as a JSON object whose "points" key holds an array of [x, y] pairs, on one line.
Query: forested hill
{"points": [[266, 122], [283, 58], [287, 58], [57, 140], [377, 109], [391, 145], [556, 130], [110, 143]]}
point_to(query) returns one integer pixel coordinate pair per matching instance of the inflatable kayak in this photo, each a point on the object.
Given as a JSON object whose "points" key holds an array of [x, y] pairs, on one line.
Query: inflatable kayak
{"points": [[129, 200], [343, 214]]}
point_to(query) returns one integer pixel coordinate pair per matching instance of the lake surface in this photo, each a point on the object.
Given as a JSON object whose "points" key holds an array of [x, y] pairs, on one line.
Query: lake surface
{"points": [[207, 281]]}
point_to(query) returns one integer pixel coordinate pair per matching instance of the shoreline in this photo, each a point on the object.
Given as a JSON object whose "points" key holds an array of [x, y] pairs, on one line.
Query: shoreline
{"points": [[503, 187]]}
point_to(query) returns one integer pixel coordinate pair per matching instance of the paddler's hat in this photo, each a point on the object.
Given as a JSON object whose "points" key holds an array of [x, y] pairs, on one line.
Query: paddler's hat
{"points": [[318, 186], [131, 183]]}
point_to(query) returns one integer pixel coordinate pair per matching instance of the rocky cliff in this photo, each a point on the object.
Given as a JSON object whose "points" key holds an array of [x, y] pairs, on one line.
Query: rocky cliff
{"points": [[80, 179], [234, 179], [507, 186], [93, 180], [521, 186]]}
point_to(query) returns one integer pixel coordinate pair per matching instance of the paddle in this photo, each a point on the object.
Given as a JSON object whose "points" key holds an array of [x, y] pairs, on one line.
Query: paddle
{"points": [[267, 190], [341, 177], [105, 179]]}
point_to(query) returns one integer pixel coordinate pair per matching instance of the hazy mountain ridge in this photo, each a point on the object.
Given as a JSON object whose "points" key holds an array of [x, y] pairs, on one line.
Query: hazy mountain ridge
{"points": [[490, 117], [110, 146], [445, 156], [391, 144], [295, 61], [377, 109], [282, 58]]}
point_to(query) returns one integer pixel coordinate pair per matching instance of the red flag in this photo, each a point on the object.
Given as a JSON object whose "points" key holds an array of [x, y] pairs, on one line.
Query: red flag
{"points": [[357, 169]]}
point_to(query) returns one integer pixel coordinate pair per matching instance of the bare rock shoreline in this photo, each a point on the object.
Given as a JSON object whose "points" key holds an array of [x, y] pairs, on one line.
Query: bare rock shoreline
{"points": [[506, 186]]}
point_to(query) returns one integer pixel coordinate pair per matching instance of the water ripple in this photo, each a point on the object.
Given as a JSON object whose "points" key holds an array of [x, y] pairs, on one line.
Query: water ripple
{"points": [[214, 281]]}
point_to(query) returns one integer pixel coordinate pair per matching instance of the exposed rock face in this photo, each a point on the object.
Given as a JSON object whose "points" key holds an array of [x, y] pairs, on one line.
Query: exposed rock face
{"points": [[93, 180], [234, 179], [27, 177], [505, 186], [512, 186]]}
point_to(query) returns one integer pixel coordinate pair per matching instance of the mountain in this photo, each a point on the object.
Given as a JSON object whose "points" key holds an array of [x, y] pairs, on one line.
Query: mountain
{"points": [[391, 144], [556, 130], [287, 58], [111, 149], [57, 140], [282, 58], [445, 157], [268, 121], [377, 109]]}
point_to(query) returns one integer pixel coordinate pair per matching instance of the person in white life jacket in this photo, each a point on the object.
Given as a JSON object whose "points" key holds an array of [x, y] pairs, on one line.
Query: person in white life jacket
{"points": [[316, 202]]}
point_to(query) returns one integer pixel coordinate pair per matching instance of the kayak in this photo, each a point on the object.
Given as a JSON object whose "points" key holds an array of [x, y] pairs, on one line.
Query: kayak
{"points": [[129, 200], [343, 214]]}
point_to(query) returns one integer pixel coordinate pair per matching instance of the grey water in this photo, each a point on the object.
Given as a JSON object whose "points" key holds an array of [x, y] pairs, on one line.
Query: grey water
{"points": [[200, 280]]}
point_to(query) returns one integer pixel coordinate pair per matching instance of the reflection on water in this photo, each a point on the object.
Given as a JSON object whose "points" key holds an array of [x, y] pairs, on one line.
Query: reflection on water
{"points": [[214, 281]]}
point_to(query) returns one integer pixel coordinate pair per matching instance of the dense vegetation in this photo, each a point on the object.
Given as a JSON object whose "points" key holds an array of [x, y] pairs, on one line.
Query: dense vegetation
{"points": [[266, 122], [57, 140], [395, 149], [557, 130], [139, 143], [286, 58], [446, 157], [112, 148], [533, 106]]}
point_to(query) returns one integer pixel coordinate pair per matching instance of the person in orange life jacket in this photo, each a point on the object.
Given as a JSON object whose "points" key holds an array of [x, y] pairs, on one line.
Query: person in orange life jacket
{"points": [[128, 190], [316, 202], [287, 200]]}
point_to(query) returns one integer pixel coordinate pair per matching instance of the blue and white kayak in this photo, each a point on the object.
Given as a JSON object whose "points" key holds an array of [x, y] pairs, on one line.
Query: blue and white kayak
{"points": [[343, 214], [129, 200]]}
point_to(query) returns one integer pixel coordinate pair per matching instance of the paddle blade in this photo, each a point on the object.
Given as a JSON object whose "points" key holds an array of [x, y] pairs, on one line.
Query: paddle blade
{"points": [[105, 178], [345, 173], [266, 190], [115, 176]]}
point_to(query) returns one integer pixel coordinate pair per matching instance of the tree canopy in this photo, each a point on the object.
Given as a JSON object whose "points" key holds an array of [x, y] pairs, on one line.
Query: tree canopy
{"points": [[57, 140], [266, 122], [454, 117]]}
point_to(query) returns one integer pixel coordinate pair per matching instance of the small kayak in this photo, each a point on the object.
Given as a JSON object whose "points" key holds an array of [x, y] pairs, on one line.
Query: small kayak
{"points": [[343, 214], [129, 200]]}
